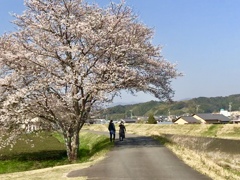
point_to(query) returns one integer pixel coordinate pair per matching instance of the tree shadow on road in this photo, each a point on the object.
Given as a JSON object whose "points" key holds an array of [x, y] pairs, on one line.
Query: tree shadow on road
{"points": [[136, 142]]}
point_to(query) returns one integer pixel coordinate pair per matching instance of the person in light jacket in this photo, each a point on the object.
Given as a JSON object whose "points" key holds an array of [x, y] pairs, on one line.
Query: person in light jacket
{"points": [[122, 130]]}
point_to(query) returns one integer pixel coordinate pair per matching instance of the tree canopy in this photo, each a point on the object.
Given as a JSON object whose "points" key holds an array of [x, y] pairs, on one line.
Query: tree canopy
{"points": [[67, 57]]}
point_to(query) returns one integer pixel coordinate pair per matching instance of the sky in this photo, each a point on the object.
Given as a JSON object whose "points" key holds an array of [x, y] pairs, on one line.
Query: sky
{"points": [[201, 36]]}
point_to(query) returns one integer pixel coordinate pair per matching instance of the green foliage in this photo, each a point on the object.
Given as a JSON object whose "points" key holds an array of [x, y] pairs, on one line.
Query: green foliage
{"points": [[34, 146], [91, 144], [145, 108], [120, 111], [212, 130], [151, 119], [192, 106], [35, 151], [32, 151], [163, 140]]}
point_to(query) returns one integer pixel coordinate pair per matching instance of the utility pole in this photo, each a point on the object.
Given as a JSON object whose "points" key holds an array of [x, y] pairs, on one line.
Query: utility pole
{"points": [[197, 107], [230, 107], [169, 114], [131, 113]]}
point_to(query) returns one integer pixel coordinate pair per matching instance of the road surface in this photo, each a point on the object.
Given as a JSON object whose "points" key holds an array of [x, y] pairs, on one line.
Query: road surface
{"points": [[139, 158]]}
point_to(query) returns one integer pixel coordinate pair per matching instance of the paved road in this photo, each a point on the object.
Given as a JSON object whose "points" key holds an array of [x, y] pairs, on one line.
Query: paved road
{"points": [[139, 158]]}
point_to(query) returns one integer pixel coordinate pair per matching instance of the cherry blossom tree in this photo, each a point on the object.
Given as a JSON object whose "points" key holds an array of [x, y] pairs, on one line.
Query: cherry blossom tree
{"points": [[68, 57]]}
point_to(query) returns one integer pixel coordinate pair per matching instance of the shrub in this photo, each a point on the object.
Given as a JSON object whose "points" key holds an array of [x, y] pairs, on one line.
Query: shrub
{"points": [[151, 119]]}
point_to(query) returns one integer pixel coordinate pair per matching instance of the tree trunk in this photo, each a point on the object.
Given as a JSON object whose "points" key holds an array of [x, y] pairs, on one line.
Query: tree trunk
{"points": [[72, 144]]}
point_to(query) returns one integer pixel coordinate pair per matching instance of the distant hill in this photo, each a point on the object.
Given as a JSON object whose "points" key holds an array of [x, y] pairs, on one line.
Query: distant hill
{"points": [[191, 106]]}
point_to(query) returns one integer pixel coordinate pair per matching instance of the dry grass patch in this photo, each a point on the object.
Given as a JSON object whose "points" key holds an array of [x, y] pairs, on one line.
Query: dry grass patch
{"points": [[196, 153], [202, 163], [54, 173], [230, 131]]}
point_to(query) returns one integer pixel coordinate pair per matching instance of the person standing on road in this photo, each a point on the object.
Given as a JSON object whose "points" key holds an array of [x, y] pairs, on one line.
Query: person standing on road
{"points": [[122, 130], [112, 130]]}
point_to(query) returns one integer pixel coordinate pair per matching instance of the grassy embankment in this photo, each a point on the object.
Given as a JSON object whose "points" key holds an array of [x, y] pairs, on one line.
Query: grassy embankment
{"points": [[199, 146], [45, 149]]}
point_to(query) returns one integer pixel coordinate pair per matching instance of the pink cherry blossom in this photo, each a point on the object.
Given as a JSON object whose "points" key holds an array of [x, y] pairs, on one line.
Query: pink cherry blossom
{"points": [[68, 56]]}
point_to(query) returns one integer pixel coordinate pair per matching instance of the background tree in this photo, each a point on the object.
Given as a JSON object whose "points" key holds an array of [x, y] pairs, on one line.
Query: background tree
{"points": [[151, 119], [67, 57]]}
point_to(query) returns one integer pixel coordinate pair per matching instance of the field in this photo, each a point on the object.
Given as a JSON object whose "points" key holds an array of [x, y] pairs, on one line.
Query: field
{"points": [[210, 149], [41, 150]]}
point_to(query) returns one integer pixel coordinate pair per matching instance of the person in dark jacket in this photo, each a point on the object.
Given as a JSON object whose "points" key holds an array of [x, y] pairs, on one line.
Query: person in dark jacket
{"points": [[122, 130], [112, 130]]}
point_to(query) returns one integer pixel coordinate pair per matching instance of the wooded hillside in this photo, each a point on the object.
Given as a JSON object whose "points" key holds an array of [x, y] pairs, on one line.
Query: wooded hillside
{"points": [[195, 105]]}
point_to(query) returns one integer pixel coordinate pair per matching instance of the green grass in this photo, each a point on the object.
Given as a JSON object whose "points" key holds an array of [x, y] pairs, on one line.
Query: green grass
{"points": [[45, 149], [92, 144], [163, 140], [212, 130]]}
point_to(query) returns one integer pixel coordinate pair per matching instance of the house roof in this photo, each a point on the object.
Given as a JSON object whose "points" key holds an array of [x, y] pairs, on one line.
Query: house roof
{"points": [[209, 117], [189, 119], [127, 120], [235, 120]]}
